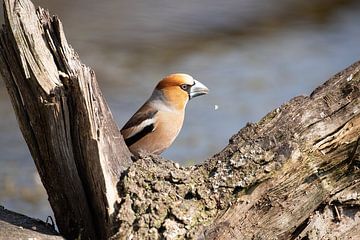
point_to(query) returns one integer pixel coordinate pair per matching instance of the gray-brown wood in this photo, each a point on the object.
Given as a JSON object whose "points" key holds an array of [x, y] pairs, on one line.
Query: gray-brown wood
{"points": [[292, 175], [71, 134], [18, 226]]}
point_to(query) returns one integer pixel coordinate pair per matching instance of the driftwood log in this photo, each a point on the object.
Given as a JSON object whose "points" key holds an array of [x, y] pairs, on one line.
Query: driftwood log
{"points": [[292, 175], [14, 226]]}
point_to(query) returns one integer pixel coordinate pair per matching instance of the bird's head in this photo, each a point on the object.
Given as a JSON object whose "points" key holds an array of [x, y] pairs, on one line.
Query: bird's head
{"points": [[177, 89]]}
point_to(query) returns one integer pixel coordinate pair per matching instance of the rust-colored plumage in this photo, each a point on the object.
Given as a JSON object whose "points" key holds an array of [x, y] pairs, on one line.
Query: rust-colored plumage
{"points": [[154, 127]]}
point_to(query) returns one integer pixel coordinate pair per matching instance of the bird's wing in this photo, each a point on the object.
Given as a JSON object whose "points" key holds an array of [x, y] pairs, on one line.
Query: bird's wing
{"points": [[139, 125]]}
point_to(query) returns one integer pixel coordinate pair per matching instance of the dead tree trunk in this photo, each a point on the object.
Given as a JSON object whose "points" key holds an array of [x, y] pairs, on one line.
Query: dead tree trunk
{"points": [[293, 175], [71, 134]]}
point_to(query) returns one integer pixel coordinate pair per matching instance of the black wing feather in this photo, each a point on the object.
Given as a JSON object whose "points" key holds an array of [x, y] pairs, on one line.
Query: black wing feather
{"points": [[133, 139], [138, 118]]}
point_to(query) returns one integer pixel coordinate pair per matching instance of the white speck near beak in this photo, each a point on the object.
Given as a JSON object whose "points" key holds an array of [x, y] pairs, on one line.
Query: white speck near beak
{"points": [[198, 89]]}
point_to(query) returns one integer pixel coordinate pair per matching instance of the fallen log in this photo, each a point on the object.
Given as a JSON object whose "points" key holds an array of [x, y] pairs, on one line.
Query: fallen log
{"points": [[18, 226], [292, 175]]}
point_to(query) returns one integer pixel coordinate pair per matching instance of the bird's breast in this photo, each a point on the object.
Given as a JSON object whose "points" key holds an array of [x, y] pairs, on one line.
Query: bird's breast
{"points": [[167, 126]]}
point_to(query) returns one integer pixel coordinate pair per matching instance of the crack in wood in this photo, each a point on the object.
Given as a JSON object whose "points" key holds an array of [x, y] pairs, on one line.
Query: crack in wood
{"points": [[354, 155]]}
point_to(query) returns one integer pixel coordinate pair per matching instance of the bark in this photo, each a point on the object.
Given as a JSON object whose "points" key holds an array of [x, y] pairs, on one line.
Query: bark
{"points": [[292, 175]]}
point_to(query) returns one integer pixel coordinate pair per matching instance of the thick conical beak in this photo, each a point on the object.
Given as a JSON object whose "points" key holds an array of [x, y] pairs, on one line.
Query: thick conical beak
{"points": [[198, 89]]}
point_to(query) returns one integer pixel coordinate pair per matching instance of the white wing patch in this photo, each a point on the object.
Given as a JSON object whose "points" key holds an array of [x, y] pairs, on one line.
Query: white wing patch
{"points": [[136, 129]]}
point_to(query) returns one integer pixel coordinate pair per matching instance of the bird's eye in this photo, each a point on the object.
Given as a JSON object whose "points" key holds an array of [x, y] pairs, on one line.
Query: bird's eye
{"points": [[184, 87]]}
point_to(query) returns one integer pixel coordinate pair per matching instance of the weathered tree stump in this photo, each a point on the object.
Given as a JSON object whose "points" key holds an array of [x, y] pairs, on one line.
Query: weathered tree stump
{"points": [[71, 134], [292, 175]]}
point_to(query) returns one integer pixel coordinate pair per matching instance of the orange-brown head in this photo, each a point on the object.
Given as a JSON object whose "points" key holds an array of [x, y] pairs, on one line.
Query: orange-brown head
{"points": [[177, 89]]}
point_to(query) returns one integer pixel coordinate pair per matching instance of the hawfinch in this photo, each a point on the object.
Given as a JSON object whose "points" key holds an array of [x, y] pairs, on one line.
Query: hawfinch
{"points": [[154, 127]]}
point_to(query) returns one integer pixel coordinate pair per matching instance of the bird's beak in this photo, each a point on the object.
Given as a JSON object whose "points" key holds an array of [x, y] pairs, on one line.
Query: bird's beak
{"points": [[197, 89]]}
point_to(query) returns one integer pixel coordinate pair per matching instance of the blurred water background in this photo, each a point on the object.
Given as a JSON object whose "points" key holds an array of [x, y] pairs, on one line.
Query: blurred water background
{"points": [[253, 55]]}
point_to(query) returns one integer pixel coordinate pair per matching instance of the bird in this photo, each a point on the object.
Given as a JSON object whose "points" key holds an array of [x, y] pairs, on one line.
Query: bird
{"points": [[154, 127]]}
